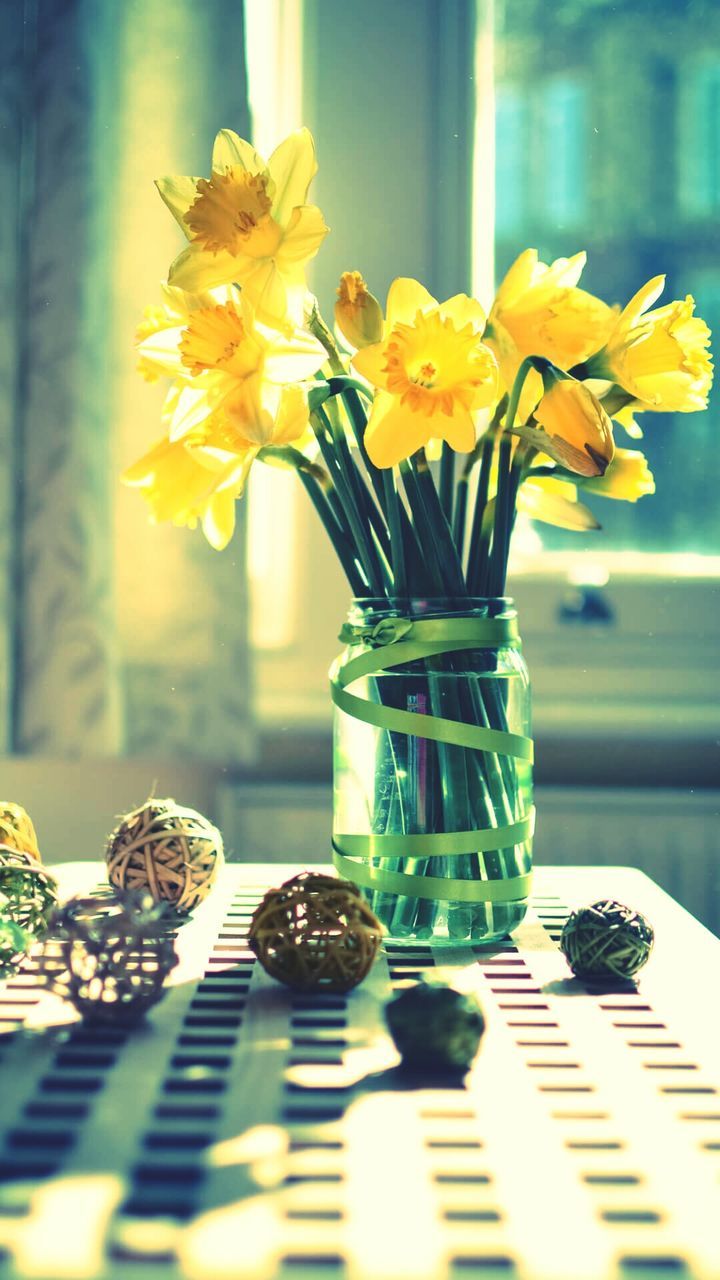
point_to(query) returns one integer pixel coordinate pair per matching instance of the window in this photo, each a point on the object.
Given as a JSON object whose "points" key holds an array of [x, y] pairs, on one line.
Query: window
{"points": [[594, 138]]}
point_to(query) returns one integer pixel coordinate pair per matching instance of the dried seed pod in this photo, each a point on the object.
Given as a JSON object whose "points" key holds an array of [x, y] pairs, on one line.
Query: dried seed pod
{"points": [[16, 829], [315, 932], [435, 1027], [172, 852], [28, 892], [109, 955], [606, 940]]}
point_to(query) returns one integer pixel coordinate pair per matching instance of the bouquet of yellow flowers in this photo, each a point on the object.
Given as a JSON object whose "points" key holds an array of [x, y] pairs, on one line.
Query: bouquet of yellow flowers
{"points": [[418, 433]]}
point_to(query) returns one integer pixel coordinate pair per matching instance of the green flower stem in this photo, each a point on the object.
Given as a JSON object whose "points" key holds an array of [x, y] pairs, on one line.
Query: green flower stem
{"points": [[336, 430], [342, 545], [439, 525], [366, 549], [392, 506], [422, 530], [447, 481], [479, 538], [501, 526]]}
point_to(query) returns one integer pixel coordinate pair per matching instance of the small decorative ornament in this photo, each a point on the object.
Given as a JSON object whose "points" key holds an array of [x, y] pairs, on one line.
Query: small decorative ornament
{"points": [[28, 892], [172, 852], [16, 829], [109, 956], [14, 946], [606, 940], [315, 933], [434, 1026]]}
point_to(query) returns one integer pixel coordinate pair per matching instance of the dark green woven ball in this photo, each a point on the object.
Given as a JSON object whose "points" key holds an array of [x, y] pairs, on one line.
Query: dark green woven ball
{"points": [[15, 942], [606, 940], [435, 1027]]}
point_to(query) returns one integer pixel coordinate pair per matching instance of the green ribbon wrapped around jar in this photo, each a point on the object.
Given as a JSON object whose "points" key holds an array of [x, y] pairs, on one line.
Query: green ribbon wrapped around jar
{"points": [[433, 814]]}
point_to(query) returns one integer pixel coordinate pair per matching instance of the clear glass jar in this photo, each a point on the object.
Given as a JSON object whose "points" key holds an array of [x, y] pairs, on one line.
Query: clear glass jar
{"points": [[389, 783]]}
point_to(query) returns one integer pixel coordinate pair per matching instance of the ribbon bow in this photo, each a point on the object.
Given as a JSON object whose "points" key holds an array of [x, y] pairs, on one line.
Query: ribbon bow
{"points": [[386, 631]]}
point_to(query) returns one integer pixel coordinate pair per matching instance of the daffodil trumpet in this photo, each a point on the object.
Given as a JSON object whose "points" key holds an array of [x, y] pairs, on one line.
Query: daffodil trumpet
{"points": [[418, 440]]}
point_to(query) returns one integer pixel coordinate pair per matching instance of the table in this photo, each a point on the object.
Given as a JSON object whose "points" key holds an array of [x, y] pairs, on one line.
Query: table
{"points": [[249, 1131]]}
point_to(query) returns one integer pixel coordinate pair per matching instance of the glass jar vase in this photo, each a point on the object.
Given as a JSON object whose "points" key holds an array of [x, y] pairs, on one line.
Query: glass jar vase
{"points": [[432, 812]]}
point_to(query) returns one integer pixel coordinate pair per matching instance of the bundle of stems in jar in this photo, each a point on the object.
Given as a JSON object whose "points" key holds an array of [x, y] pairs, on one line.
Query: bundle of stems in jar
{"points": [[418, 433]]}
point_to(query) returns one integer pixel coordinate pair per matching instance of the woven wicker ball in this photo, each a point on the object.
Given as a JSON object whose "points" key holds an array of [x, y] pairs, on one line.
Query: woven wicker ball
{"points": [[109, 956], [16, 828], [28, 892], [435, 1027], [315, 933], [606, 940], [172, 852]]}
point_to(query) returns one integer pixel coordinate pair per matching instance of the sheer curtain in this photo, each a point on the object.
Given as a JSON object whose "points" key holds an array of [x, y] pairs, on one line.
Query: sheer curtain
{"points": [[115, 637]]}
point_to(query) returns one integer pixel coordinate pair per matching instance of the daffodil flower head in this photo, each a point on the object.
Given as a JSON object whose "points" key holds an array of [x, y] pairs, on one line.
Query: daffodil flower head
{"points": [[659, 357], [223, 357], [358, 314], [432, 371], [179, 486], [248, 223]]}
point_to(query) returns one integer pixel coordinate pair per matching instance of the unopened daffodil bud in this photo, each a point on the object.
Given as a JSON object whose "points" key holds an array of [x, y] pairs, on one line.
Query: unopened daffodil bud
{"points": [[574, 428], [358, 313]]}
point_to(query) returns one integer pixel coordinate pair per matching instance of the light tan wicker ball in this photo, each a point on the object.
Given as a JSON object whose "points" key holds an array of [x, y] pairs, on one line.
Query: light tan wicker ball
{"points": [[315, 933], [173, 852], [16, 828]]}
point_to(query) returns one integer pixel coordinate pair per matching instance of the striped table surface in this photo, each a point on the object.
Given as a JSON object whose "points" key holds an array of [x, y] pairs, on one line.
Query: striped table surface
{"points": [[247, 1131]]}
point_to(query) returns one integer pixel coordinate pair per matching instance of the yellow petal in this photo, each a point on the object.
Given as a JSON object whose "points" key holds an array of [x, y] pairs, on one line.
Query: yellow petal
{"points": [[163, 349], [463, 310], [292, 167], [292, 358], [405, 298], [230, 149], [292, 416], [198, 269], [628, 477], [178, 194], [394, 432], [540, 502], [564, 272], [640, 302], [370, 363], [517, 280], [305, 233], [458, 429], [218, 521], [195, 404]]}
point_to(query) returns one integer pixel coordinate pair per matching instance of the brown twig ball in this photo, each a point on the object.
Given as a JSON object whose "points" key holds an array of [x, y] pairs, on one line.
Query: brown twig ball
{"points": [[606, 940], [28, 892], [315, 932], [109, 956], [172, 852], [16, 828]]}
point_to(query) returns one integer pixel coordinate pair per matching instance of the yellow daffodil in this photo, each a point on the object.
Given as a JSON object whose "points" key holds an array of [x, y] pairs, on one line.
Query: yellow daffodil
{"points": [[538, 310], [432, 370], [659, 357], [249, 224], [179, 486], [627, 418], [225, 358], [628, 477], [358, 314], [573, 428], [201, 476]]}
